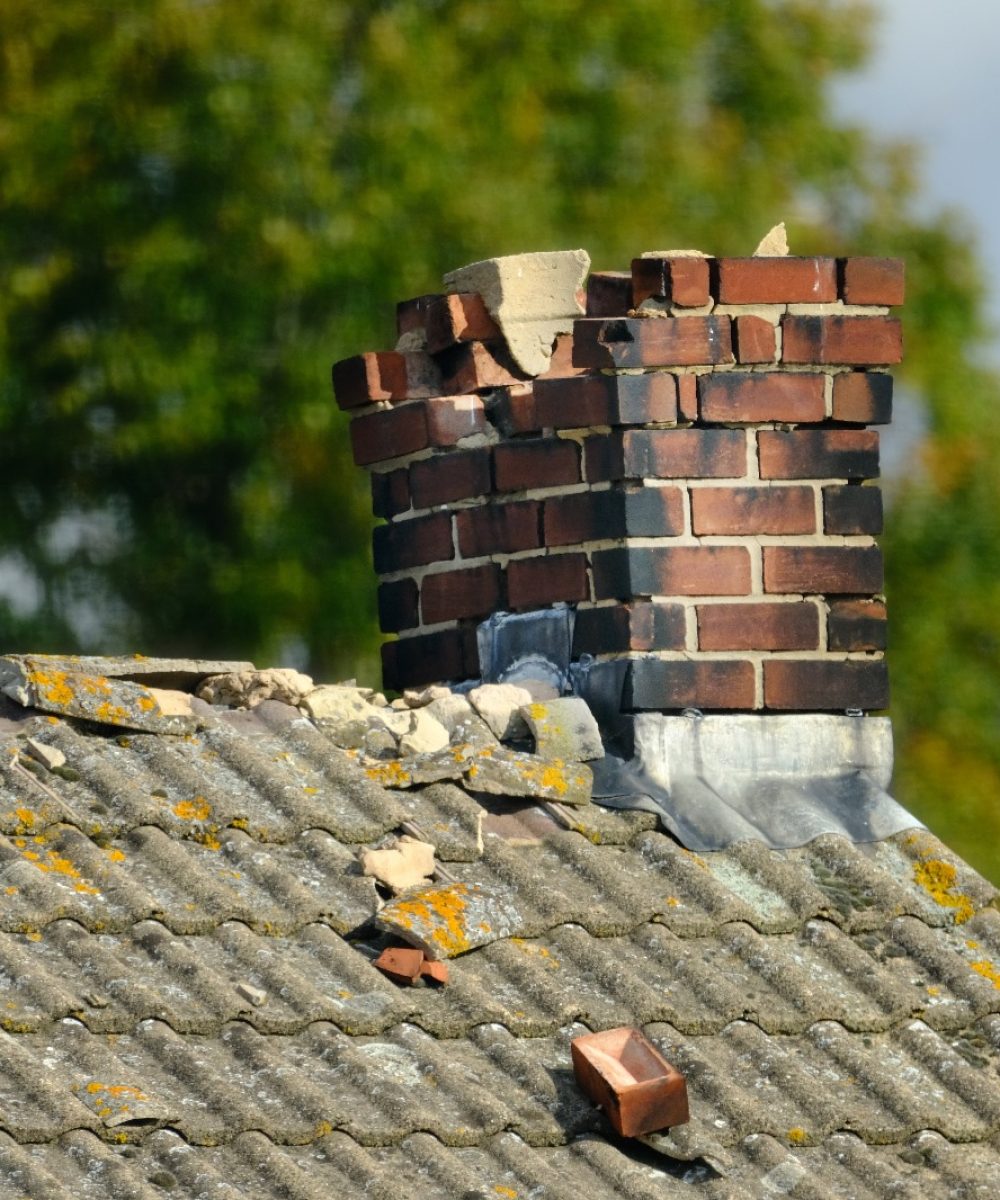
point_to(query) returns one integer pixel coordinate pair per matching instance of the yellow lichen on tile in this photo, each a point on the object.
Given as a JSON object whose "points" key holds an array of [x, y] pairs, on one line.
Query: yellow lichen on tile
{"points": [[440, 913], [797, 1136], [389, 774], [938, 879], [988, 971], [197, 809]]}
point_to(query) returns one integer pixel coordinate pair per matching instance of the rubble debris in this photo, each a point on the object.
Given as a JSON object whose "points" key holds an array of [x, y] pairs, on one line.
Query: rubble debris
{"points": [[564, 728], [506, 772], [50, 757], [774, 243], [379, 743], [624, 1073], [257, 996], [499, 705], [32, 683], [421, 697], [247, 689], [425, 735], [448, 920], [336, 703], [402, 863], [532, 297]]}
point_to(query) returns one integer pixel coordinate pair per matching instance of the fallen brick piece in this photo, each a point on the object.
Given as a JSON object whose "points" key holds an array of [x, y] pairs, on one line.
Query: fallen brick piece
{"points": [[402, 964], [624, 1073], [448, 920]]}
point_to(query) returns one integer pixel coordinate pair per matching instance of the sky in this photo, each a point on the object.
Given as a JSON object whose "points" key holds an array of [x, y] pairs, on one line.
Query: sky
{"points": [[934, 78]]}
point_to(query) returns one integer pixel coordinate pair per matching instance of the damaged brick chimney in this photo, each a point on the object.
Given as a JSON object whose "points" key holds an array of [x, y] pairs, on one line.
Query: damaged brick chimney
{"points": [[682, 476]]}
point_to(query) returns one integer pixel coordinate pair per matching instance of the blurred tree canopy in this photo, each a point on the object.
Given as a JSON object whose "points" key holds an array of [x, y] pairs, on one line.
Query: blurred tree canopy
{"points": [[205, 202]]}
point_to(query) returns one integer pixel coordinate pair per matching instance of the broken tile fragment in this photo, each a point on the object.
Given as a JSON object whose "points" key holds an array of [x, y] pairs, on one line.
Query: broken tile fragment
{"points": [[403, 863], [564, 728], [402, 964], [499, 705], [33, 683], [49, 756], [624, 1073], [257, 996], [450, 919], [504, 772], [181, 673], [774, 243], [119, 1104]]}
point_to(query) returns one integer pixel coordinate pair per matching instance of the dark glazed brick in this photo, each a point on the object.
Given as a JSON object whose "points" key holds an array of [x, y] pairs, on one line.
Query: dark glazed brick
{"points": [[750, 510], [767, 280], [444, 478], [820, 686], [596, 516], [863, 397], [397, 606], [681, 281], [791, 626], [618, 628], [452, 595], [658, 683], [586, 400], [548, 579], [512, 409], [818, 453], [369, 377], [546, 462], [852, 509], [847, 341], [609, 293], [622, 574], [390, 492], [472, 366], [829, 570], [873, 281], [499, 528], [666, 454], [647, 342], [412, 543], [460, 317], [411, 315], [856, 625], [755, 339], [762, 396], [389, 433], [687, 397], [430, 658]]}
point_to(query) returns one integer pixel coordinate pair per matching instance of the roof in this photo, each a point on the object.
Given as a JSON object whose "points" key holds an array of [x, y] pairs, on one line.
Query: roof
{"points": [[190, 1008]]}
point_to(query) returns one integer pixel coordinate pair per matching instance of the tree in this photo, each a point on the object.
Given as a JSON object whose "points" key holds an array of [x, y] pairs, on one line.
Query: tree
{"points": [[204, 204]]}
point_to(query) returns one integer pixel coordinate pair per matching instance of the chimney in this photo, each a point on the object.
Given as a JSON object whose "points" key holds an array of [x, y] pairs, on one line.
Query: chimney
{"points": [[663, 486]]}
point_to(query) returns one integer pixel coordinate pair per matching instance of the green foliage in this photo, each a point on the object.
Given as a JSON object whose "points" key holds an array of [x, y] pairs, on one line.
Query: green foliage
{"points": [[205, 203]]}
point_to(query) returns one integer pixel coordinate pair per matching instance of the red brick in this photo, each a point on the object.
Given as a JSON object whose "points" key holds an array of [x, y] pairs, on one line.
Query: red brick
{"points": [[618, 628], [450, 418], [412, 543], [633, 1109], [652, 342], [366, 378], [791, 626], [460, 317], [512, 409], [687, 397], [658, 683], [683, 282], [609, 293], [816, 685], [426, 658], [848, 341], [390, 492], [767, 280], [588, 400], [828, 570], [474, 365], [818, 453], [445, 478], [755, 339], [562, 364], [499, 528], [852, 509], [597, 516], [863, 397], [856, 625], [389, 433], [411, 315], [452, 595], [873, 281], [752, 510], [397, 606], [623, 574], [402, 964], [762, 396], [548, 579], [667, 454], [540, 463]]}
